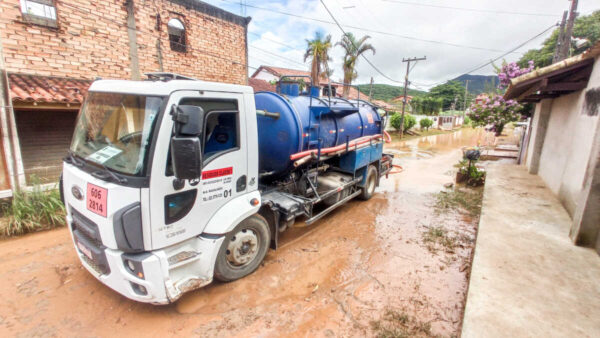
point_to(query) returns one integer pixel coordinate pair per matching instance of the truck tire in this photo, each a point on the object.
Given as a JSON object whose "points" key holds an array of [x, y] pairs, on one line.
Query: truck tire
{"points": [[369, 189], [243, 249]]}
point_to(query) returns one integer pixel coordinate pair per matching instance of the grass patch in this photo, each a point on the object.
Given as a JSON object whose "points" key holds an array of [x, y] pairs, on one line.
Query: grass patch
{"points": [[395, 324], [438, 236], [417, 134], [32, 211], [466, 200]]}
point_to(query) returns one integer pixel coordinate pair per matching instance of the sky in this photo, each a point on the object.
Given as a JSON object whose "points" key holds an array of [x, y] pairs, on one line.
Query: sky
{"points": [[455, 41]]}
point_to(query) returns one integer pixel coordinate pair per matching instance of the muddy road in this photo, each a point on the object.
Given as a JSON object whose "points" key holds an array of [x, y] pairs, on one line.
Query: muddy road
{"points": [[342, 276]]}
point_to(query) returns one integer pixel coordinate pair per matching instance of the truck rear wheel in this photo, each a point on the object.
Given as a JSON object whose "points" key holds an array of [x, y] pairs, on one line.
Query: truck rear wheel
{"points": [[243, 250], [369, 189]]}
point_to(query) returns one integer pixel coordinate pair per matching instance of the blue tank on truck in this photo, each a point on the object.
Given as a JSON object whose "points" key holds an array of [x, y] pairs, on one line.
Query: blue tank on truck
{"points": [[305, 121]]}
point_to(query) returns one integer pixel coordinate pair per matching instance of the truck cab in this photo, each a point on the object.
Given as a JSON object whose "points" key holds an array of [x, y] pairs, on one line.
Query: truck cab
{"points": [[139, 229]]}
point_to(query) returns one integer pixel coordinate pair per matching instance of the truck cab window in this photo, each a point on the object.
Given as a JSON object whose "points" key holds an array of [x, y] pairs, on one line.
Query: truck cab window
{"points": [[221, 128]]}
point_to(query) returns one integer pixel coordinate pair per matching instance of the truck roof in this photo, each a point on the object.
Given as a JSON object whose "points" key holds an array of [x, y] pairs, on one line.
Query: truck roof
{"points": [[164, 88]]}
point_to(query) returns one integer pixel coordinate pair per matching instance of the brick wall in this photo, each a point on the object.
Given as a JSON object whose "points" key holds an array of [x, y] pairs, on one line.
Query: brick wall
{"points": [[92, 41]]}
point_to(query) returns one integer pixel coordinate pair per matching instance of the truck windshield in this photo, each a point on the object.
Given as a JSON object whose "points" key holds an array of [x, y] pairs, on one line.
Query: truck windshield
{"points": [[114, 130]]}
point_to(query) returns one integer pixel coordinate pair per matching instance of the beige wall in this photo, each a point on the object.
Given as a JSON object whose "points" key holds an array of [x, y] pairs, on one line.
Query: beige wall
{"points": [[568, 143]]}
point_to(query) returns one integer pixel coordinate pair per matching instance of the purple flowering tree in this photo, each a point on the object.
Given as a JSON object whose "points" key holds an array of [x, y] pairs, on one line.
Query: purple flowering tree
{"points": [[511, 70], [495, 111]]}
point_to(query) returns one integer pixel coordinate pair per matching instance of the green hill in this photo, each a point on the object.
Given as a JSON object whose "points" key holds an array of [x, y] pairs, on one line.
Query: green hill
{"points": [[478, 83], [387, 92]]}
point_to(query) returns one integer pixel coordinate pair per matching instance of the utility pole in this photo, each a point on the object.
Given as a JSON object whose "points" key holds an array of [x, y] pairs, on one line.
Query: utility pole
{"points": [[465, 103], [561, 37], [566, 46], [408, 61], [371, 89]]}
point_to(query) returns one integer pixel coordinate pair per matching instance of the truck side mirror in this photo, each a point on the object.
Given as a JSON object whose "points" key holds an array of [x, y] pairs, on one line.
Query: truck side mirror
{"points": [[186, 149]]}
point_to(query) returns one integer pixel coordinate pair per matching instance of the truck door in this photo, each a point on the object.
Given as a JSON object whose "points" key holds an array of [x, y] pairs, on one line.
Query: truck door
{"points": [[180, 210]]}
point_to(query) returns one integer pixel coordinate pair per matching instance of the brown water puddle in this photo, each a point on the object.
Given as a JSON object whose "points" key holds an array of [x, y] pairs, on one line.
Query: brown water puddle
{"points": [[329, 279]]}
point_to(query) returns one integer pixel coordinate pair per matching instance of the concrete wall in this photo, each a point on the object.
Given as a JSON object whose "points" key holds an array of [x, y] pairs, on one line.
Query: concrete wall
{"points": [[567, 143]]}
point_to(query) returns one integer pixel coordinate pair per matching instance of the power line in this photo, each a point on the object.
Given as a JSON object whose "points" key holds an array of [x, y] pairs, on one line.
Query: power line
{"points": [[279, 56], [363, 56], [497, 58], [469, 9], [368, 30], [272, 40]]}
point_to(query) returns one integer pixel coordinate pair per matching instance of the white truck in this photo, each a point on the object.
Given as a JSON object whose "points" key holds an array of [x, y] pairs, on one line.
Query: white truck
{"points": [[172, 182]]}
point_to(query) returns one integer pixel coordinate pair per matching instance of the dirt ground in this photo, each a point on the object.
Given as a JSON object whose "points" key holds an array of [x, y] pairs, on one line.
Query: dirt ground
{"points": [[358, 272]]}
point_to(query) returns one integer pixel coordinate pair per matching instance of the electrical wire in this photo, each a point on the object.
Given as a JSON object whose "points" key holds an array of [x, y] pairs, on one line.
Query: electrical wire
{"points": [[469, 9], [497, 58], [363, 56], [279, 56], [367, 29]]}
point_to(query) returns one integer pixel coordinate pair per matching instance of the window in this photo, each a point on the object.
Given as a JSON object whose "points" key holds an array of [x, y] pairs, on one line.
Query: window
{"points": [[176, 31], [39, 12], [326, 91], [221, 128]]}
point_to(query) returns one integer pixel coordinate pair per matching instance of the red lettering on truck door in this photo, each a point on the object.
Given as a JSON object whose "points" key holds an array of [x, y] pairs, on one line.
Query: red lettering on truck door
{"points": [[206, 175]]}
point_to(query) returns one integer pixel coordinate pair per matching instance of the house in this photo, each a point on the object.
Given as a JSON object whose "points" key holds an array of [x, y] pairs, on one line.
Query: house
{"points": [[399, 99], [52, 50], [261, 85], [562, 144], [270, 73]]}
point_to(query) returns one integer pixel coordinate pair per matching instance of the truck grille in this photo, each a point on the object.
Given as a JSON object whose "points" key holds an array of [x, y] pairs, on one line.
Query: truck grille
{"points": [[86, 226], [87, 235]]}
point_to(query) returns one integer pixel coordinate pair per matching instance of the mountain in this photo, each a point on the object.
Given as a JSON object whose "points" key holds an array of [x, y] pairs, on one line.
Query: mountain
{"points": [[387, 92], [478, 83]]}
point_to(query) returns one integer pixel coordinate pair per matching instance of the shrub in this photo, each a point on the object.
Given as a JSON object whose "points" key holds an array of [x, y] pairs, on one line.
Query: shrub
{"points": [[32, 211], [409, 121], [467, 121], [396, 121], [425, 123]]}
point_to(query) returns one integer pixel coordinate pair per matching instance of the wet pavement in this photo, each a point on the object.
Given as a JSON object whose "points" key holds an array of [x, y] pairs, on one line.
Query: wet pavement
{"points": [[333, 278]]}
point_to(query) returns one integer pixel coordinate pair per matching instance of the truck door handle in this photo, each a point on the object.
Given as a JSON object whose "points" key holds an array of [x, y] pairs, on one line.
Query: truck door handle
{"points": [[240, 185]]}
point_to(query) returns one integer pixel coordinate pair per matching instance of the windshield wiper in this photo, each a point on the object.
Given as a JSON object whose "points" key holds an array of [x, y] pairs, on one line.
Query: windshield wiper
{"points": [[121, 180], [72, 159]]}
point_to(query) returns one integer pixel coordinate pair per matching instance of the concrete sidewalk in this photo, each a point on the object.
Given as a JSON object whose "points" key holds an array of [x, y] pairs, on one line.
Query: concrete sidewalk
{"points": [[528, 279]]}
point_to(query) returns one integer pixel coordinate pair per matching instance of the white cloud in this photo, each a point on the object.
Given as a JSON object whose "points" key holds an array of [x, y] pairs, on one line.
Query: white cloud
{"points": [[485, 30]]}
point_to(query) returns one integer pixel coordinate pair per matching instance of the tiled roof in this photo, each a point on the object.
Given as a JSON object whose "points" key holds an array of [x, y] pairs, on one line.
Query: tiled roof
{"points": [[33, 88], [278, 71], [261, 85]]}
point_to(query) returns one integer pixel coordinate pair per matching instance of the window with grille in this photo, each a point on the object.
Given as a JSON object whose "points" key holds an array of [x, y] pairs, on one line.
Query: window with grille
{"points": [[39, 12], [176, 31]]}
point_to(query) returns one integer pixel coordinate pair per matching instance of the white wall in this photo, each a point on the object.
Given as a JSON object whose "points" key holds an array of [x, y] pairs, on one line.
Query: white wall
{"points": [[568, 144], [264, 75]]}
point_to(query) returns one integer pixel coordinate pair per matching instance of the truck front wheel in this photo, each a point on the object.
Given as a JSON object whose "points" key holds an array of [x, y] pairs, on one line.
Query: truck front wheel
{"points": [[369, 189], [243, 250]]}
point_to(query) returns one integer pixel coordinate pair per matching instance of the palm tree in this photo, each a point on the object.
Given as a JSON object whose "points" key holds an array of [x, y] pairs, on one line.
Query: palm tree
{"points": [[318, 49], [353, 48]]}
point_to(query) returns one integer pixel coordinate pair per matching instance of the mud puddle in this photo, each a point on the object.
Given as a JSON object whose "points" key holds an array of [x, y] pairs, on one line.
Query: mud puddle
{"points": [[339, 277]]}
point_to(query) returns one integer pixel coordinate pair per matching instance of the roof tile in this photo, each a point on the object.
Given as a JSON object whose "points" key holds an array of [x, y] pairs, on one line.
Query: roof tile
{"points": [[34, 88]]}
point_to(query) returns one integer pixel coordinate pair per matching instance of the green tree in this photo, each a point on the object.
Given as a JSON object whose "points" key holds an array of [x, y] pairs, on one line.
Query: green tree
{"points": [[425, 123], [353, 49], [448, 92], [317, 50], [586, 27]]}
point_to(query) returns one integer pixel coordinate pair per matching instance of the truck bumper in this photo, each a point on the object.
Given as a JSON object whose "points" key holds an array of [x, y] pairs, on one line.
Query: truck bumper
{"points": [[159, 276]]}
